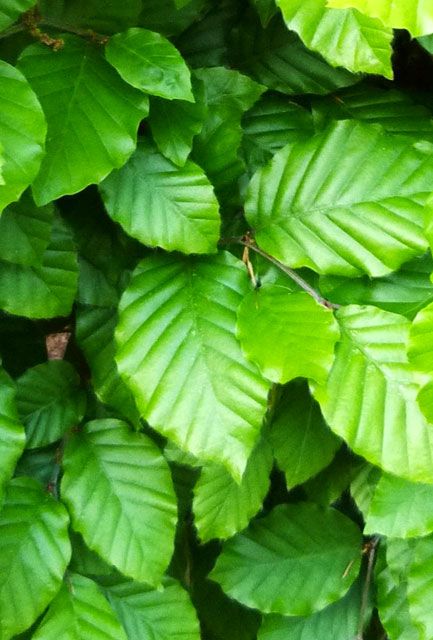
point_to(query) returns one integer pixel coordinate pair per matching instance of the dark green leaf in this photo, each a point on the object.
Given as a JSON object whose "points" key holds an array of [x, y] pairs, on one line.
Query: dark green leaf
{"points": [[12, 436]]}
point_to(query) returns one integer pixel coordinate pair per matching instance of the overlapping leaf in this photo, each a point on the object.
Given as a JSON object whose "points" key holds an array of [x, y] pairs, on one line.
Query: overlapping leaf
{"points": [[292, 562], [222, 507], [49, 401], [178, 352], [119, 492], [370, 397], [12, 436], [414, 15], [11, 9], [87, 138], [34, 553], [163, 205], [22, 133], [79, 612], [318, 204], [304, 330], [108, 17], [344, 37], [420, 353], [149, 62], [419, 588]]}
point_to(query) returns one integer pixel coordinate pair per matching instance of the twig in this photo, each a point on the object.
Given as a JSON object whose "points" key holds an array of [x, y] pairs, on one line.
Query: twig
{"points": [[249, 242], [370, 548]]}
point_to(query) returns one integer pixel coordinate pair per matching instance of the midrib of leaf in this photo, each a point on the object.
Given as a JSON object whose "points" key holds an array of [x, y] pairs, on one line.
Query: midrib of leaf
{"points": [[135, 54]]}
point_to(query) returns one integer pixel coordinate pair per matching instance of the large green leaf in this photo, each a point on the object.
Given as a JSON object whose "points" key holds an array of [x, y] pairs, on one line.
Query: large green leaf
{"points": [[79, 612], [318, 204], [163, 205], [115, 484], [34, 553], [393, 607], [302, 442], [400, 509], [178, 352], [304, 330], [25, 231], [106, 16], [95, 336], [420, 588], [344, 37], [12, 436], [46, 290], [222, 507], [11, 9], [277, 58], [87, 138], [420, 353], [149, 62], [163, 614], [22, 133], [370, 397], [414, 15], [293, 562], [338, 621], [49, 401]]}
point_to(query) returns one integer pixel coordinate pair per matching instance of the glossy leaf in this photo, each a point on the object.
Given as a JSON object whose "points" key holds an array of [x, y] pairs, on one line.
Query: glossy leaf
{"points": [[414, 15], [301, 441], [25, 232], [345, 38], [34, 553], [318, 204], [370, 397], [400, 509], [178, 353], [49, 401], [86, 138], [222, 507], [304, 330], [163, 205], [292, 562], [115, 483], [12, 436], [79, 612], [11, 9], [22, 133], [149, 62], [46, 290], [165, 614]]}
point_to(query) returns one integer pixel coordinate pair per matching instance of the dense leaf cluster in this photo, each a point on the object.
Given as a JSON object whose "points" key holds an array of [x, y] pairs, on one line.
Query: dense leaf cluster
{"points": [[216, 324]]}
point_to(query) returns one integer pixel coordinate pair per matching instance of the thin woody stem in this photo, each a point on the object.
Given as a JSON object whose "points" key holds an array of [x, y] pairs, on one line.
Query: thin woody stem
{"points": [[372, 549]]}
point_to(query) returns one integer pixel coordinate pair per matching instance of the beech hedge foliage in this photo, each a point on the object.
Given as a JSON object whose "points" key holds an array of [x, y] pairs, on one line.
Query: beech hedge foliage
{"points": [[216, 325]]}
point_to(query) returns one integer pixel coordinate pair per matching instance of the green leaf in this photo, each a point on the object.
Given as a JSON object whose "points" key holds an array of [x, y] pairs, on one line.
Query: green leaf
{"points": [[163, 614], [105, 16], [328, 485], [115, 483], [34, 553], [25, 231], [87, 138], [277, 58], [269, 125], [22, 133], [39, 464], [178, 353], [427, 42], [338, 621], [370, 397], [11, 9], [318, 204], [163, 205], [301, 441], [420, 354], [292, 562], [222, 507], [396, 111], [304, 330], [363, 486], [406, 291], [174, 124], [85, 561], [419, 588], [12, 436], [345, 38], [266, 10], [414, 15], [400, 509], [95, 336], [79, 611], [149, 62], [50, 401], [47, 290], [393, 607]]}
